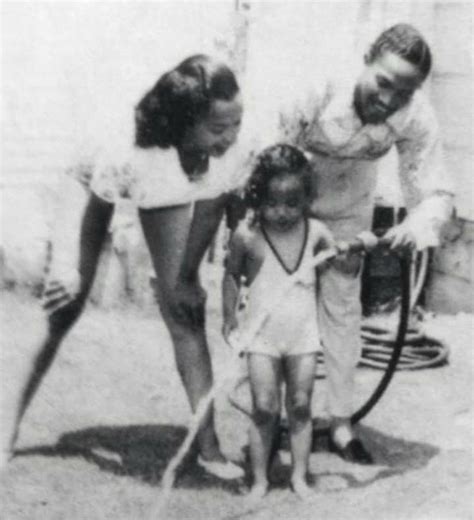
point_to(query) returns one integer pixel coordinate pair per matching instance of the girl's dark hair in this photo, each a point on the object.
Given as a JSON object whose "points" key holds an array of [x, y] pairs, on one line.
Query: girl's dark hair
{"points": [[179, 98], [271, 162], [405, 41]]}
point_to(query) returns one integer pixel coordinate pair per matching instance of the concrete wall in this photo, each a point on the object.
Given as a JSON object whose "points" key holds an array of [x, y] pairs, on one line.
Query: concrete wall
{"points": [[71, 73], [448, 26], [452, 274], [83, 66], [291, 39], [450, 286]]}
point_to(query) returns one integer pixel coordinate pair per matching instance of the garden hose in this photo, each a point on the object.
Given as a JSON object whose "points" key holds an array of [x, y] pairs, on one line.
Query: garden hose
{"points": [[397, 346], [408, 351]]}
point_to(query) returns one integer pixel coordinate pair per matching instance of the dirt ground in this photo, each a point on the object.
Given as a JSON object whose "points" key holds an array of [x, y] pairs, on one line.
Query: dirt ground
{"points": [[112, 413]]}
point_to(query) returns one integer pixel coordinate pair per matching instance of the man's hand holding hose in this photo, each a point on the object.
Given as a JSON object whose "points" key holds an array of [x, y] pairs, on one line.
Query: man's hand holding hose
{"points": [[61, 288], [400, 238]]}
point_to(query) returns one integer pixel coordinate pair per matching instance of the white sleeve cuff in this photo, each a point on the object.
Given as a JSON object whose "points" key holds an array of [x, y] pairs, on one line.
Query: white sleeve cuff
{"points": [[426, 220]]}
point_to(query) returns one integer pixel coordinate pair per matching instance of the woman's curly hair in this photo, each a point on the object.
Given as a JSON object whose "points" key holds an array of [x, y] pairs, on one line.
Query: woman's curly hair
{"points": [[405, 41], [179, 98], [271, 162]]}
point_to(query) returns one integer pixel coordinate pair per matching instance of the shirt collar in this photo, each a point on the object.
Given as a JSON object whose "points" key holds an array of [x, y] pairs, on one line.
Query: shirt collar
{"points": [[339, 119]]}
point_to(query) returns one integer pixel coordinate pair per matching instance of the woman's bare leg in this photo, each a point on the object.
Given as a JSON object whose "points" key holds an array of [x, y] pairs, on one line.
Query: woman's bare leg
{"points": [[166, 233], [93, 233]]}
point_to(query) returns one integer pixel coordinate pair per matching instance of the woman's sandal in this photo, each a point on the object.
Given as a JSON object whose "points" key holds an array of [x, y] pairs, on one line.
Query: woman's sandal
{"points": [[225, 470]]}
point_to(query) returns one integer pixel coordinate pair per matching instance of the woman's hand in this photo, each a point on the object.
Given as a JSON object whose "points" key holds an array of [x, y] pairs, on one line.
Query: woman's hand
{"points": [[190, 303], [61, 290], [230, 324], [400, 238]]}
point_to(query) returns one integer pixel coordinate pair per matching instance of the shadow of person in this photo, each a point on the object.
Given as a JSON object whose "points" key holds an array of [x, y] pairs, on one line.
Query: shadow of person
{"points": [[393, 456], [138, 451], [387, 450]]}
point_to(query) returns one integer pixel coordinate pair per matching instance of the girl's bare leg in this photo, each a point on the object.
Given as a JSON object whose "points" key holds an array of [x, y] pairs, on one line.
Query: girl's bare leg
{"points": [[166, 233], [299, 376], [93, 233], [265, 379]]}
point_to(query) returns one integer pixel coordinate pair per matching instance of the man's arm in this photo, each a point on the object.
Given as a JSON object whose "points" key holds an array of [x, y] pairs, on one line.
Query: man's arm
{"points": [[426, 185]]}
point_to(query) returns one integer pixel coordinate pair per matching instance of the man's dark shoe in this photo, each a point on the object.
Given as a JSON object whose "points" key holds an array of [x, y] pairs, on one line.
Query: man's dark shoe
{"points": [[353, 451]]}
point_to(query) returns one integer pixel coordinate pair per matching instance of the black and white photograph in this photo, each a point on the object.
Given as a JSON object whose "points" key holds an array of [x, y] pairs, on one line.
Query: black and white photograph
{"points": [[236, 260]]}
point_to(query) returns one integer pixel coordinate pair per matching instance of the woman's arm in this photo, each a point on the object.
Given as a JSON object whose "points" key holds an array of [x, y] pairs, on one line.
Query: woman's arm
{"points": [[206, 218], [234, 270], [76, 251], [71, 202], [190, 297]]}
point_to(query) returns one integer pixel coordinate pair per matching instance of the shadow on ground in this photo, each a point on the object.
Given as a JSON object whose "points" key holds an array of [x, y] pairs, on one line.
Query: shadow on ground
{"points": [[143, 452], [392, 457], [139, 451]]}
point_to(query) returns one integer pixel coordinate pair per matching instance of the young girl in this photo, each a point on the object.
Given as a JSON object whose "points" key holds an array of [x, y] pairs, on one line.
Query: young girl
{"points": [[277, 244]]}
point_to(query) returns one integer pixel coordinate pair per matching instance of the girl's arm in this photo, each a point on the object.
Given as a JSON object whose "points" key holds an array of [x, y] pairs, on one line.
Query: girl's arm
{"points": [[234, 270], [324, 239]]}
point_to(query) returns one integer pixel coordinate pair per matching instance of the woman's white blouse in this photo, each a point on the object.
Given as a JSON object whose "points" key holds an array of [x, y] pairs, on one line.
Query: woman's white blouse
{"points": [[123, 174], [153, 177]]}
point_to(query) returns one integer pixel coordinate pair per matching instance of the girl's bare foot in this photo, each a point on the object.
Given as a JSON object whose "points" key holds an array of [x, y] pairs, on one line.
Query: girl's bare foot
{"points": [[301, 488], [257, 492]]}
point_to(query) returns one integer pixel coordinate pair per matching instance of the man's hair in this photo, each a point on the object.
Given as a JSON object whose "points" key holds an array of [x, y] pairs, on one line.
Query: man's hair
{"points": [[179, 98], [271, 162], [405, 41]]}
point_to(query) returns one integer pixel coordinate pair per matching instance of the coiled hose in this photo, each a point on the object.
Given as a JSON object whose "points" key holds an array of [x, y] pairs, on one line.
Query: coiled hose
{"points": [[419, 350], [404, 352]]}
